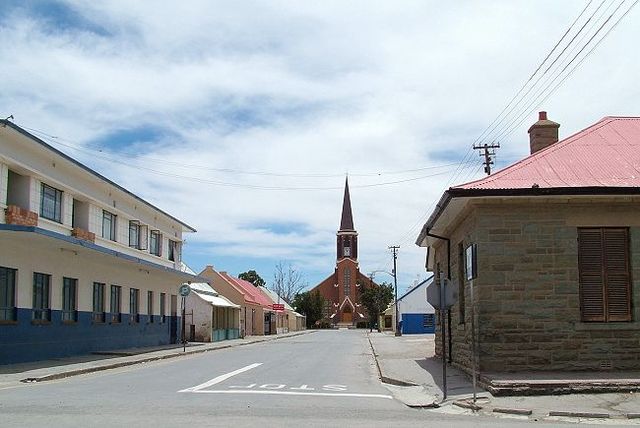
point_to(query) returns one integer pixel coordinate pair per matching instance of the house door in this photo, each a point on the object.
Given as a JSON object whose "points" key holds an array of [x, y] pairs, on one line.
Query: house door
{"points": [[347, 314], [173, 332]]}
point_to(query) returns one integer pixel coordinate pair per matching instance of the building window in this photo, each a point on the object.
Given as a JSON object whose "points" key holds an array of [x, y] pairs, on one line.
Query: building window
{"points": [[346, 247], [41, 287], [69, 299], [8, 294], [603, 269], [98, 302], [108, 225], [163, 299], [173, 250], [155, 243], [347, 282], [116, 298], [471, 262], [134, 234], [150, 305], [51, 203], [134, 305]]}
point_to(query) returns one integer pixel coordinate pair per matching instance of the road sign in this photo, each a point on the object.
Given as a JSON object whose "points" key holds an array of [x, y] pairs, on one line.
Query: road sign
{"points": [[185, 290], [450, 294], [278, 306]]}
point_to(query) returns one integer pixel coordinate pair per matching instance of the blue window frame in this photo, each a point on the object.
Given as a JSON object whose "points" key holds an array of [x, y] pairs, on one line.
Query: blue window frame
{"points": [[51, 203]]}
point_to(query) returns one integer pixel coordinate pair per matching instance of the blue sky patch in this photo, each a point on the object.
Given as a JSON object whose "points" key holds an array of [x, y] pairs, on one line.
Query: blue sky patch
{"points": [[57, 16], [283, 228], [124, 140]]}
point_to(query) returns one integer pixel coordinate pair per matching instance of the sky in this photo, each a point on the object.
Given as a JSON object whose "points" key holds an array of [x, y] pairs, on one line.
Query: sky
{"points": [[243, 118]]}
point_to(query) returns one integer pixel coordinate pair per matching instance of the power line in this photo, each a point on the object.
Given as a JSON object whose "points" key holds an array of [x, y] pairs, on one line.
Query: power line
{"points": [[519, 109], [251, 186], [513, 128], [493, 124], [78, 147]]}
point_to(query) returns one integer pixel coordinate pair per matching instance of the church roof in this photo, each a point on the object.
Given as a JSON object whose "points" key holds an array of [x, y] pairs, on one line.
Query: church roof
{"points": [[346, 221]]}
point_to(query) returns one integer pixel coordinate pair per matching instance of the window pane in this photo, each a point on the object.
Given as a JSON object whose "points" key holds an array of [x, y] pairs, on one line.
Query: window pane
{"points": [[41, 296], [7, 294], [51, 203]]}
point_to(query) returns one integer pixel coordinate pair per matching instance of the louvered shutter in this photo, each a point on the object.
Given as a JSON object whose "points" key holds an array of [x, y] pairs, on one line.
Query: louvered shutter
{"points": [[591, 275], [616, 271]]}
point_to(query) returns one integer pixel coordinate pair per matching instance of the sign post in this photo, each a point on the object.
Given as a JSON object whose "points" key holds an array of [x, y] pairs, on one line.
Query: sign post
{"points": [[442, 296], [185, 289], [443, 311]]}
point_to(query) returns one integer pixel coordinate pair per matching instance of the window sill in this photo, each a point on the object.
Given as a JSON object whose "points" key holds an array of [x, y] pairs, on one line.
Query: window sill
{"points": [[8, 322], [69, 322], [40, 322], [606, 326]]}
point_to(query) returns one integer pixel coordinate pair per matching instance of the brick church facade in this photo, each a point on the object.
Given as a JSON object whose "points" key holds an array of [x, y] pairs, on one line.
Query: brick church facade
{"points": [[342, 289]]}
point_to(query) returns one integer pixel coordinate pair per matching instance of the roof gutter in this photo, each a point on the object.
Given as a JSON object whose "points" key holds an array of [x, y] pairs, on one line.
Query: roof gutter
{"points": [[457, 192]]}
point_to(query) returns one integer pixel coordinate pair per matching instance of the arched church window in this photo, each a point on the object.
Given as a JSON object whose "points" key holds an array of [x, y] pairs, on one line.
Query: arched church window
{"points": [[347, 281]]}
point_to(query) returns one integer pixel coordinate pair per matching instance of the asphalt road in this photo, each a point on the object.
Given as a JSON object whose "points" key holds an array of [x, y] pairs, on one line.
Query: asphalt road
{"points": [[326, 378]]}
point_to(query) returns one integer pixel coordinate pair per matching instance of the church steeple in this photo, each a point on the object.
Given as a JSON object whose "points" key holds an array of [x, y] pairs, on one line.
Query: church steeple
{"points": [[346, 221], [347, 242]]}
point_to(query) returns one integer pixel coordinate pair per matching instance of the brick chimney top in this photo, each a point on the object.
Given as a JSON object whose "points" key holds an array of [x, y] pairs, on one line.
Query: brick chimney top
{"points": [[543, 133]]}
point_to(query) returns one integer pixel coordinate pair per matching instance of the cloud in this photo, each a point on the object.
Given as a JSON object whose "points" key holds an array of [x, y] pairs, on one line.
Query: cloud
{"points": [[217, 92]]}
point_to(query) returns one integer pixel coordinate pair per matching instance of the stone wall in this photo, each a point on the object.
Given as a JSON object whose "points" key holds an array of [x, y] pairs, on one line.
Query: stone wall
{"points": [[527, 293]]}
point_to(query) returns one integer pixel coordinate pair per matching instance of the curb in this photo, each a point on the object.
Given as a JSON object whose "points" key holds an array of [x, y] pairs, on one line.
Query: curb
{"points": [[467, 405], [579, 414], [77, 372], [508, 411], [383, 378]]}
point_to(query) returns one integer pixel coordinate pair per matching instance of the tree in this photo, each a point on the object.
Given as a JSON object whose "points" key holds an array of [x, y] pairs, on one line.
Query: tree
{"points": [[376, 299], [287, 281], [253, 277], [310, 304]]}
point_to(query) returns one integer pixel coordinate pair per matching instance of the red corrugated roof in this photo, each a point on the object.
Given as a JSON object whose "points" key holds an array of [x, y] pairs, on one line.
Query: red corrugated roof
{"points": [[606, 154], [251, 293]]}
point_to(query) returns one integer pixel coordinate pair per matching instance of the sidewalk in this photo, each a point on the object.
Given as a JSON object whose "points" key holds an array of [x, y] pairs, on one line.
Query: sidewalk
{"points": [[409, 365], [40, 371]]}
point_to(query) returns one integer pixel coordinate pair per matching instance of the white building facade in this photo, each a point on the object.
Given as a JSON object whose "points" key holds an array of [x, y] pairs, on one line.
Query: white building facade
{"points": [[85, 265]]}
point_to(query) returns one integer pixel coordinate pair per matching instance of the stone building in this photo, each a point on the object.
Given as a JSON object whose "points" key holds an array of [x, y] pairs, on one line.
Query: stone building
{"points": [[342, 289], [551, 248]]}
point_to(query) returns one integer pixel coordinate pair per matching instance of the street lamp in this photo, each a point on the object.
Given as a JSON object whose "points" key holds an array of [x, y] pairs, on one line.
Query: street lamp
{"points": [[395, 287]]}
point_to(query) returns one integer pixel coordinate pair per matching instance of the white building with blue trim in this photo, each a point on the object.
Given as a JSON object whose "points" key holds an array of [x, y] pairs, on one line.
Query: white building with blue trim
{"points": [[85, 265], [417, 315]]}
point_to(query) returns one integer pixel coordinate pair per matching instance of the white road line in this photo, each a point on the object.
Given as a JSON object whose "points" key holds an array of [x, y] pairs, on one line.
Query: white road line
{"points": [[316, 394], [220, 378]]}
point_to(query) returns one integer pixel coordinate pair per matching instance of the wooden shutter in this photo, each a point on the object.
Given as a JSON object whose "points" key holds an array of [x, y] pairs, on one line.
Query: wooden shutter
{"points": [[591, 275], [616, 271], [605, 282]]}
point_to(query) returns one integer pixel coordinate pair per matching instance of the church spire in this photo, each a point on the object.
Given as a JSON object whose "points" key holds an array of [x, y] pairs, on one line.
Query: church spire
{"points": [[346, 221]]}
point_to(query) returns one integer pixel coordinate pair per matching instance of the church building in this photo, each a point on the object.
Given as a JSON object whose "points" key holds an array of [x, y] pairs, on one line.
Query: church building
{"points": [[343, 288]]}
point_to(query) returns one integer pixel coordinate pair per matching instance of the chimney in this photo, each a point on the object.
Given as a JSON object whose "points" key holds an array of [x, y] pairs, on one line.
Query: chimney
{"points": [[543, 133]]}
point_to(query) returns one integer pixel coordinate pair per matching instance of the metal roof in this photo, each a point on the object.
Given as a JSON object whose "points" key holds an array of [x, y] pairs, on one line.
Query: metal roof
{"points": [[250, 291], [606, 154]]}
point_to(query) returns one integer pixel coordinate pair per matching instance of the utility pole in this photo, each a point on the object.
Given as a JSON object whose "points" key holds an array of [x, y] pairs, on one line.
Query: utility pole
{"points": [[395, 249], [487, 151]]}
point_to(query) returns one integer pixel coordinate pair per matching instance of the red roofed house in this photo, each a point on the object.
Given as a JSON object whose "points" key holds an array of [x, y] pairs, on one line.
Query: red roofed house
{"points": [[254, 306], [551, 246]]}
